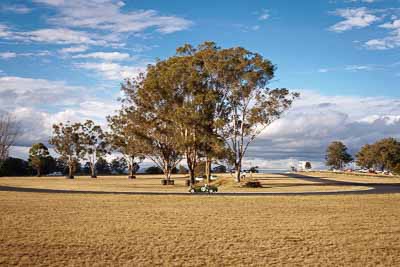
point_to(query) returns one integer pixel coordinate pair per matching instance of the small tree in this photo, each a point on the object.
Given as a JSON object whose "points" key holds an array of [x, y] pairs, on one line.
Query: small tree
{"points": [[254, 169], [67, 143], [154, 170], [307, 165], [38, 155], [93, 144], [220, 169], [337, 156]]}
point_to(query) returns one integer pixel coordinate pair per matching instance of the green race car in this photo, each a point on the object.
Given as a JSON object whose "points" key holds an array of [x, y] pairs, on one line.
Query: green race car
{"points": [[203, 189]]}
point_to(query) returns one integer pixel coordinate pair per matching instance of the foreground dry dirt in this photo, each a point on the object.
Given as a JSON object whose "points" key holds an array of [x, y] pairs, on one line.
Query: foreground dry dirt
{"points": [[73, 229]]}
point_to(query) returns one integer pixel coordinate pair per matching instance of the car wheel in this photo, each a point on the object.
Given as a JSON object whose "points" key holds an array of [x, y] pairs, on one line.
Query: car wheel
{"points": [[192, 190], [211, 190]]}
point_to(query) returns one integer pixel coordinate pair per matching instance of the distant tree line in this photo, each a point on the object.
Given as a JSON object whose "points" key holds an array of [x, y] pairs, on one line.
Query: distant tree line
{"points": [[383, 155]]}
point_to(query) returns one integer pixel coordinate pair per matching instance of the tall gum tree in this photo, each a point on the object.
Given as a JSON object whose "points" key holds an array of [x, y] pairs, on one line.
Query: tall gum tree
{"points": [[245, 106]]}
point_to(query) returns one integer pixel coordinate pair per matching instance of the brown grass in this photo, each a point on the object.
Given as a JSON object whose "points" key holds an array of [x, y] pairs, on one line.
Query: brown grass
{"points": [[271, 183], [64, 229]]}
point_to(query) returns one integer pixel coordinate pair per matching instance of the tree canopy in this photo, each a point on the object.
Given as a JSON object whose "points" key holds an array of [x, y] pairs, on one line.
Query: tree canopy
{"points": [[337, 155]]}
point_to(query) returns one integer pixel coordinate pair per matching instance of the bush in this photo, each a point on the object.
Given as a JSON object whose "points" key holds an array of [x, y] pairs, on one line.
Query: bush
{"points": [[154, 170], [396, 169], [252, 184]]}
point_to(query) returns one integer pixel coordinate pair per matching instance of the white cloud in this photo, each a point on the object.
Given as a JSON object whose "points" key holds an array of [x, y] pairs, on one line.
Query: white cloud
{"points": [[74, 49], [109, 16], [388, 42], [8, 55], [362, 1], [112, 71], [54, 36], [358, 68], [108, 56], [354, 18], [39, 103], [19, 9], [19, 91], [264, 15], [316, 120], [60, 36]]}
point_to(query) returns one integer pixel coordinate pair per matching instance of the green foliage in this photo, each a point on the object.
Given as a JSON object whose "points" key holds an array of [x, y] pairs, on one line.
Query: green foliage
{"points": [[396, 169], [93, 143], [67, 142], [383, 155], [308, 165], [254, 169], [102, 166], [220, 169], [119, 165], [337, 156], [15, 167], [154, 170], [124, 138]]}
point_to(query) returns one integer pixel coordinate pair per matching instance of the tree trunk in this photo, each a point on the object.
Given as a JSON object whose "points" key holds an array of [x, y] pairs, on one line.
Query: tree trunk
{"points": [[93, 170], [208, 169], [191, 175], [38, 173], [167, 173], [238, 168], [70, 171]]}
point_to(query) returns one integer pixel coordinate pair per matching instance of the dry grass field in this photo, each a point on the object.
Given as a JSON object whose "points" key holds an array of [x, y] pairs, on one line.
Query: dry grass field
{"points": [[196, 230], [100, 230], [272, 183]]}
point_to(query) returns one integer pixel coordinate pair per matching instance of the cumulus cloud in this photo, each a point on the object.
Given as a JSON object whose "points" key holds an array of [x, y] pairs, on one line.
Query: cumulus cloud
{"points": [[301, 134], [112, 71], [53, 36], [7, 55], [109, 16], [20, 91], [354, 18], [107, 56], [388, 42], [38, 103], [316, 120]]}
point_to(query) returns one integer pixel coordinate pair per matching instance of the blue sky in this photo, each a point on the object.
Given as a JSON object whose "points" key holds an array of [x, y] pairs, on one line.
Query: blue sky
{"points": [[64, 60]]}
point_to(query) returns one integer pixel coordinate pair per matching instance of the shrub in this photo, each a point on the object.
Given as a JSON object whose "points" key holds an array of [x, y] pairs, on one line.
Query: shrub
{"points": [[252, 184]]}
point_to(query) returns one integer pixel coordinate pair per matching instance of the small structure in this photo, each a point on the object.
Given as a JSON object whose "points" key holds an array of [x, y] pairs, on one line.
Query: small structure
{"points": [[304, 165]]}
